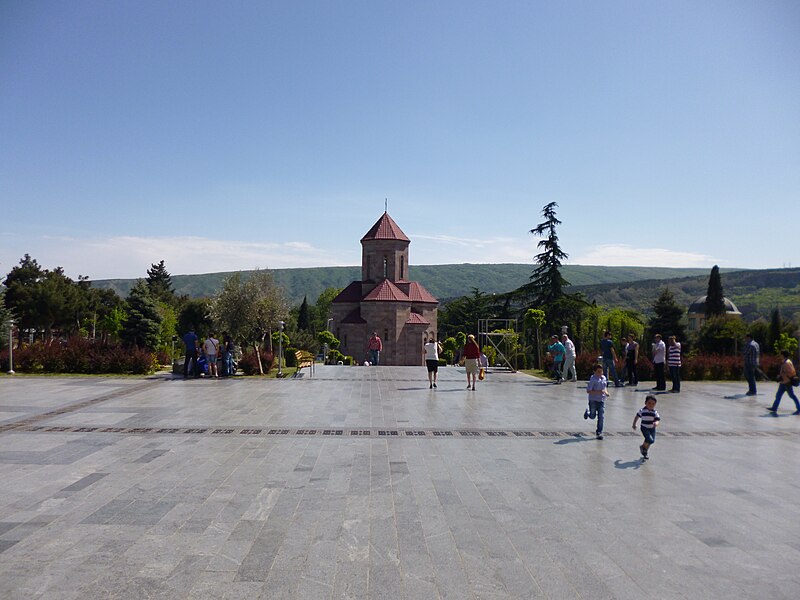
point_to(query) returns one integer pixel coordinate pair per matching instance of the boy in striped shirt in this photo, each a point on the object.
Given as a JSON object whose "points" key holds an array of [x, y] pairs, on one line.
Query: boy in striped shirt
{"points": [[650, 419]]}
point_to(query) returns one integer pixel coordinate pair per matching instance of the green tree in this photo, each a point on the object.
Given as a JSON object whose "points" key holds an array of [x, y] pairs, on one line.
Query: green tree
{"points": [[465, 312], [143, 323], [112, 324], [195, 314], [303, 318], [321, 311], [159, 282], [547, 285], [534, 320], [786, 342], [721, 334], [715, 299], [249, 310], [667, 316], [5, 318]]}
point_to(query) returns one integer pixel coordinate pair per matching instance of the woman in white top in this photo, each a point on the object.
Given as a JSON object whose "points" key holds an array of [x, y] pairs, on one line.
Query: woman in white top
{"points": [[431, 351]]}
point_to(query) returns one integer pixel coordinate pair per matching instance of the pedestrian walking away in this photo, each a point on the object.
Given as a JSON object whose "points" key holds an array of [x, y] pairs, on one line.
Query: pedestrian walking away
{"points": [[649, 417], [430, 351], [597, 389], [787, 380]]}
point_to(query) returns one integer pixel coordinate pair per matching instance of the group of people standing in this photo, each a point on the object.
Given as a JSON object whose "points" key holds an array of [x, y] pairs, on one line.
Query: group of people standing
{"points": [[209, 357]]}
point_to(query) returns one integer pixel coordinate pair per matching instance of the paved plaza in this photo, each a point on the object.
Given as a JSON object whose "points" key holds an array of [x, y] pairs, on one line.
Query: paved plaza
{"points": [[362, 482]]}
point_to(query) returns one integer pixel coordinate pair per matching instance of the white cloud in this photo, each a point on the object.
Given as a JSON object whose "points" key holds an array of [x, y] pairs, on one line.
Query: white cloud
{"points": [[624, 255], [446, 249], [131, 256]]}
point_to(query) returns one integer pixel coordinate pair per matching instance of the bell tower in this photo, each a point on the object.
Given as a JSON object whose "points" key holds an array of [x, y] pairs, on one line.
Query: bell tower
{"points": [[384, 252]]}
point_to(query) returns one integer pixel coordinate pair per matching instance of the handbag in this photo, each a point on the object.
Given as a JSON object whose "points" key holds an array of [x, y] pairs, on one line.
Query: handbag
{"points": [[795, 381], [482, 374]]}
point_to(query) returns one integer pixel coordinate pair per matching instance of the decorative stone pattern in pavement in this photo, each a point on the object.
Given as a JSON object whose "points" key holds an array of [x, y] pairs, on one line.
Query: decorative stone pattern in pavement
{"points": [[364, 483]]}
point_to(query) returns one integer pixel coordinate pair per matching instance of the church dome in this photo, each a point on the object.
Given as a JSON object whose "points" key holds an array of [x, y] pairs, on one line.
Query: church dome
{"points": [[699, 306]]}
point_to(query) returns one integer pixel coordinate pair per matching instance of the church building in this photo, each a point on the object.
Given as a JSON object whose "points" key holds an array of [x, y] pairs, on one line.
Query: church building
{"points": [[402, 312]]}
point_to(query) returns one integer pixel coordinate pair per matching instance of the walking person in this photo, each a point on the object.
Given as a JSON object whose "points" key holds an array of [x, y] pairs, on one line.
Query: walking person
{"points": [[752, 358], [597, 389], [609, 358], [431, 351], [227, 354], [190, 343], [556, 349], [631, 359], [674, 363], [211, 347], [374, 347], [650, 418], [569, 359], [659, 352], [471, 354], [786, 378]]}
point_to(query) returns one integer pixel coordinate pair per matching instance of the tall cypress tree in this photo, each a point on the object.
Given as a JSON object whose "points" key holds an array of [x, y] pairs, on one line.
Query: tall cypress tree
{"points": [[715, 300], [303, 321]]}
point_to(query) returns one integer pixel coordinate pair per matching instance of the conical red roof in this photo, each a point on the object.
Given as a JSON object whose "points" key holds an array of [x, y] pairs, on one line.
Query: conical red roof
{"points": [[385, 229], [386, 291]]}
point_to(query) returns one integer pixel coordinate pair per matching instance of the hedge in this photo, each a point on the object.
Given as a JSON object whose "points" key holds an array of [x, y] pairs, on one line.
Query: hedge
{"points": [[80, 355]]}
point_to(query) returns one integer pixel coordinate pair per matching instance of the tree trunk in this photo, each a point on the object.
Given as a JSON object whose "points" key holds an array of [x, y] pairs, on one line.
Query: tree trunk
{"points": [[258, 358]]}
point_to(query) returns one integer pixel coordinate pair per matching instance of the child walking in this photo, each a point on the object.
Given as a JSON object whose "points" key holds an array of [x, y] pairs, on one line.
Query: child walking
{"points": [[650, 418], [597, 389]]}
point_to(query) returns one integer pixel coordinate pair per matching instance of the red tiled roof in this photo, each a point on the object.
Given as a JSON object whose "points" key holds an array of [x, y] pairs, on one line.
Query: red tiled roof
{"points": [[354, 317], [417, 293], [385, 229], [352, 293], [416, 319], [386, 291]]}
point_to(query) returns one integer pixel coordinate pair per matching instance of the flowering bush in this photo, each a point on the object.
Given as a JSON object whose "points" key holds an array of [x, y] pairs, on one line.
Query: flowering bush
{"points": [[249, 362], [80, 355]]}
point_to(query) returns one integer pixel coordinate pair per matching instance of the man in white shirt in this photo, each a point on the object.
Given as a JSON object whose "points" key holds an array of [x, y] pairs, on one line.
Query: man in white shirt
{"points": [[569, 361], [659, 360]]}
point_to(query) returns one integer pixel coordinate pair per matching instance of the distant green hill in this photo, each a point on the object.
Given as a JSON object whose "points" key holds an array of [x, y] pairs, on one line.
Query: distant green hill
{"points": [[443, 281], [754, 292]]}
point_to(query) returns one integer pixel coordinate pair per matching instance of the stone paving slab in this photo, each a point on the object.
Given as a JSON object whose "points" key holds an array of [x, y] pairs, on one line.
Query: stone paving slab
{"points": [[244, 488]]}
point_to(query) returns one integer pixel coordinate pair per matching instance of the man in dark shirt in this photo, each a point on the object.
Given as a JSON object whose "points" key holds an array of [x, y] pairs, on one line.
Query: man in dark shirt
{"points": [[609, 359], [752, 354], [190, 341]]}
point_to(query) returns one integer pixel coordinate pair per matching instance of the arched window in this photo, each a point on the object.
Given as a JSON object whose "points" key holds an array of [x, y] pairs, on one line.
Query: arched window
{"points": [[402, 267], [385, 268]]}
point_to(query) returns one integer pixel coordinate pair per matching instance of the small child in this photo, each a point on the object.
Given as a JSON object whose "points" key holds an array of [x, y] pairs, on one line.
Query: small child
{"points": [[597, 389], [650, 418]]}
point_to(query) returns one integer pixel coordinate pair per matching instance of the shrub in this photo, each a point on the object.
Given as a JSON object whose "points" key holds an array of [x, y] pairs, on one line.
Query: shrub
{"points": [[248, 363], [289, 357], [79, 355]]}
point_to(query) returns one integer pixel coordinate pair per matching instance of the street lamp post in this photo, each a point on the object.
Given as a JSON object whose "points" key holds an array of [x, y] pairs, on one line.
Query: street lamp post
{"points": [[11, 346], [280, 349], [327, 328]]}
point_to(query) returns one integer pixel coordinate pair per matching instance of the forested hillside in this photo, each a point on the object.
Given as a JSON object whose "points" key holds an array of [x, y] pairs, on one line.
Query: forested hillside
{"points": [[755, 293], [443, 281]]}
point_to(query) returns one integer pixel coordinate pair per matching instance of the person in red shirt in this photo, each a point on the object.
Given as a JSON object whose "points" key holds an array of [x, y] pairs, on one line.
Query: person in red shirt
{"points": [[471, 354], [374, 347]]}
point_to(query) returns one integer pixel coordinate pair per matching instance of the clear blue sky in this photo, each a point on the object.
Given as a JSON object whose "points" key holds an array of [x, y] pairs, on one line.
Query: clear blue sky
{"points": [[233, 135]]}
